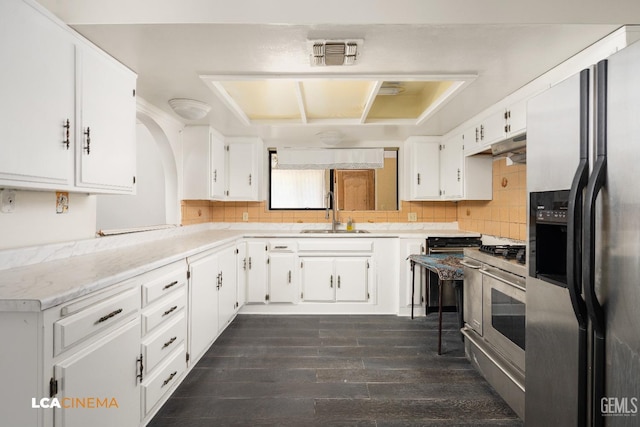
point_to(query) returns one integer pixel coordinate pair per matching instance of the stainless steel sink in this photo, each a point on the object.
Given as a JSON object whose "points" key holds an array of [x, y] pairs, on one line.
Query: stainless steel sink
{"points": [[333, 231]]}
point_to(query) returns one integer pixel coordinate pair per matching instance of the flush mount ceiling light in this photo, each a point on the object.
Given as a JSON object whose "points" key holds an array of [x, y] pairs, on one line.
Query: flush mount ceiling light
{"points": [[391, 88], [189, 109], [334, 52]]}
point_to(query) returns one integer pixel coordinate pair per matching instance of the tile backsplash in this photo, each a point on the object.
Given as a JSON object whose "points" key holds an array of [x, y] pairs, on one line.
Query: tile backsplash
{"points": [[200, 211], [506, 214]]}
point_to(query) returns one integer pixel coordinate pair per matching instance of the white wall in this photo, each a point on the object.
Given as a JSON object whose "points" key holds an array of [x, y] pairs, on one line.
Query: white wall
{"points": [[147, 207], [35, 221]]}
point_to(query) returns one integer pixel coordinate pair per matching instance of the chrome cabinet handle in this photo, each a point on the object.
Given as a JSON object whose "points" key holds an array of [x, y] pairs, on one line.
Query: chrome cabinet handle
{"points": [[141, 369], [170, 285], [66, 126], [168, 343], [249, 179], [109, 316], [289, 276], [418, 179], [331, 282], [88, 146], [215, 175], [171, 310], [173, 374], [338, 281]]}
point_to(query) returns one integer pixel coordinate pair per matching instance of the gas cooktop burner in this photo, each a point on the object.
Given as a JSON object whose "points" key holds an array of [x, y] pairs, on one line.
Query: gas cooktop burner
{"points": [[517, 252]]}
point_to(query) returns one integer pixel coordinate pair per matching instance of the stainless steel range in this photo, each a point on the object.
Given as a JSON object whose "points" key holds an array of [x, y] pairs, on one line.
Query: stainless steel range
{"points": [[494, 318]]}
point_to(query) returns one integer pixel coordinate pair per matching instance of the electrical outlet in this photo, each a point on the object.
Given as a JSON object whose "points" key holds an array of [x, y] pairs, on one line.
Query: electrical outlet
{"points": [[413, 217], [8, 201], [245, 216]]}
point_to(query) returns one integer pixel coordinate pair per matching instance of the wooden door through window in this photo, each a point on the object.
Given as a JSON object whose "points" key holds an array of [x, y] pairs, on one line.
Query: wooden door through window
{"points": [[356, 189]]}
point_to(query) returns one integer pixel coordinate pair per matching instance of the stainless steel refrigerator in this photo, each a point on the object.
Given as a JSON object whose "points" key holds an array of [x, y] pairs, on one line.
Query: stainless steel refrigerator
{"points": [[583, 291]]}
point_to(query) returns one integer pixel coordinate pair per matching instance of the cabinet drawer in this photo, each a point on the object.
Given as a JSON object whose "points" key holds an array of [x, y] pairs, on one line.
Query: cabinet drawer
{"points": [[160, 344], [72, 329], [341, 245], [163, 310], [154, 387], [170, 278]]}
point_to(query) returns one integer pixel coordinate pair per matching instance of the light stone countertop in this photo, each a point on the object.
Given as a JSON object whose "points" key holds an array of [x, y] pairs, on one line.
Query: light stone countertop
{"points": [[55, 274]]}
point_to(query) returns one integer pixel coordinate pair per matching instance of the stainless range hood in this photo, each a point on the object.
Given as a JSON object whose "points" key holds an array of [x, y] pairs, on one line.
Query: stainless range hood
{"points": [[514, 149]]}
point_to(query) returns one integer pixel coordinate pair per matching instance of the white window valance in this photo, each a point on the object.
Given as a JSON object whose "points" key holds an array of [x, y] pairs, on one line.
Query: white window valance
{"points": [[330, 158]]}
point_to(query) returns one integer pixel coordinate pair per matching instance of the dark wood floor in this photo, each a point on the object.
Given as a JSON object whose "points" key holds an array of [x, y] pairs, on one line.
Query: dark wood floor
{"points": [[335, 371]]}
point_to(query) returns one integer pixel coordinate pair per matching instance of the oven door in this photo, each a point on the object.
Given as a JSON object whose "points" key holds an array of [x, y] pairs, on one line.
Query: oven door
{"points": [[504, 313]]}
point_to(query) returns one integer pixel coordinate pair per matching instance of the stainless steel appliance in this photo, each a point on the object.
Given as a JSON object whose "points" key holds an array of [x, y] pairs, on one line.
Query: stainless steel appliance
{"points": [[583, 286], [494, 315]]}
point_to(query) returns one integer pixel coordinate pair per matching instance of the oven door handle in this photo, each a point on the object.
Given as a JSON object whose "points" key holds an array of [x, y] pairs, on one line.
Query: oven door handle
{"points": [[502, 279], [474, 266], [456, 250]]}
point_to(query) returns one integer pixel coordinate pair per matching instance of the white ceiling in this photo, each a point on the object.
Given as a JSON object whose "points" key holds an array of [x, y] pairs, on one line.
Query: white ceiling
{"points": [[504, 42]]}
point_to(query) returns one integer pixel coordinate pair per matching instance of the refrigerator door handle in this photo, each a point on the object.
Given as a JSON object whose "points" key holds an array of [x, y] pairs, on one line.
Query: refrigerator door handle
{"points": [[574, 247], [595, 184]]}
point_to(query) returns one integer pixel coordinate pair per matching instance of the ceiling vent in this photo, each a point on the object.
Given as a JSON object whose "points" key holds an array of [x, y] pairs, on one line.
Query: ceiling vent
{"points": [[334, 52]]}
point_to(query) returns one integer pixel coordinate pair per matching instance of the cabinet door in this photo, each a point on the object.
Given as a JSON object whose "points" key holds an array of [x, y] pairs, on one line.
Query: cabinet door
{"points": [[411, 247], [517, 118], [282, 278], [493, 128], [425, 179], [227, 288], [257, 272], [451, 161], [242, 173], [318, 281], [217, 177], [241, 274], [106, 372], [37, 93], [351, 277], [107, 139], [203, 304]]}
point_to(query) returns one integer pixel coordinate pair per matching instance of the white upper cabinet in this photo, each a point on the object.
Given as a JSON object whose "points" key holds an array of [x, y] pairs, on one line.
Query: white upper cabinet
{"points": [[451, 168], [422, 156], [56, 85], [38, 75], [220, 169], [516, 117], [243, 171], [107, 113]]}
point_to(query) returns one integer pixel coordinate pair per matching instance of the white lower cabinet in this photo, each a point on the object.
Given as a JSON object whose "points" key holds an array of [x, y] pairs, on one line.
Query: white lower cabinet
{"points": [[329, 279], [99, 385], [352, 275], [203, 304], [256, 272], [212, 297], [410, 247], [283, 283], [317, 279]]}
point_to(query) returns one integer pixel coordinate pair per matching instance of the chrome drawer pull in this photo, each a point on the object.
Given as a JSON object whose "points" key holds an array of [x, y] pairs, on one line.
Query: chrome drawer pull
{"points": [[168, 343], [109, 316], [170, 285], [171, 310], [173, 374]]}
